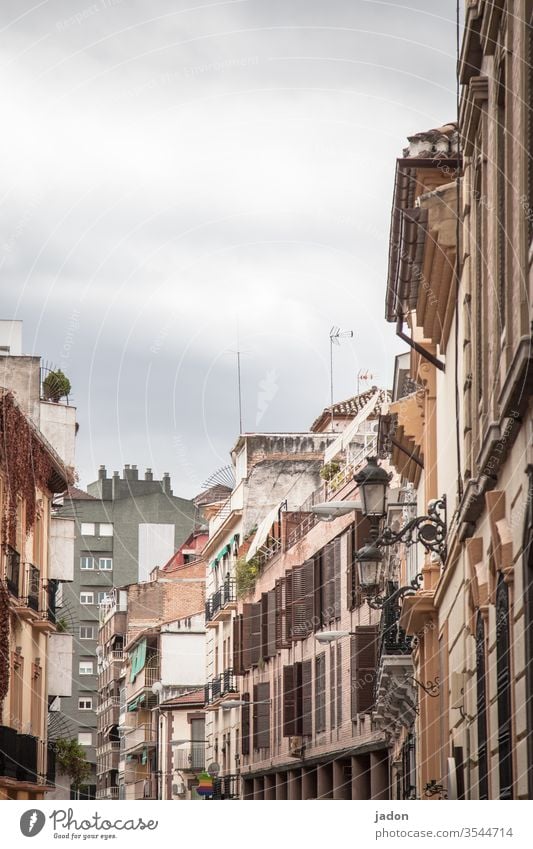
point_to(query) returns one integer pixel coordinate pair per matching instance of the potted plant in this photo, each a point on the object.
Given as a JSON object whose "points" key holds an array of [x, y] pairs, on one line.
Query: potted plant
{"points": [[56, 385], [329, 471]]}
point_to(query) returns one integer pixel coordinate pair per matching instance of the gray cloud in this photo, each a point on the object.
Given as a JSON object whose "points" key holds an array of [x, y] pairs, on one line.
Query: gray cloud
{"points": [[173, 173]]}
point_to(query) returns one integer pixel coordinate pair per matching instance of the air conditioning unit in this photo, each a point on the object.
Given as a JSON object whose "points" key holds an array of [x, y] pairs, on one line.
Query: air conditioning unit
{"points": [[178, 789], [296, 747]]}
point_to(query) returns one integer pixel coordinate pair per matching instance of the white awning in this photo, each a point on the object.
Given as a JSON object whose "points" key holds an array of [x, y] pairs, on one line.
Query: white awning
{"points": [[344, 438], [263, 530]]}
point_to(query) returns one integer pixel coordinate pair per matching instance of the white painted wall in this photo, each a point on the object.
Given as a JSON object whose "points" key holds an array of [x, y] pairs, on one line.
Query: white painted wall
{"points": [[61, 562], [156, 547], [182, 659], [59, 667], [58, 425]]}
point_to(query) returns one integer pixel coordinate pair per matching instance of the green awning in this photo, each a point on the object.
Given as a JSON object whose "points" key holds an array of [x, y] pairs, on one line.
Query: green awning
{"points": [[138, 659], [144, 756], [133, 705]]}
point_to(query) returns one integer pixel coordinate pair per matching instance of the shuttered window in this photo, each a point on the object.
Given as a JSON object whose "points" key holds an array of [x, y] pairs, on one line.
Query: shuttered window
{"points": [[328, 584], [251, 635], [320, 693], [332, 689], [363, 668], [336, 578], [283, 616], [238, 667], [302, 600], [292, 700], [245, 725], [261, 716], [307, 697], [268, 624], [339, 684]]}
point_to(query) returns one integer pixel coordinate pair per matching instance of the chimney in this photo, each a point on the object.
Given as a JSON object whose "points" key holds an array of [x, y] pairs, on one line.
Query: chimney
{"points": [[134, 473], [102, 473], [148, 475], [166, 484], [115, 486], [130, 472]]}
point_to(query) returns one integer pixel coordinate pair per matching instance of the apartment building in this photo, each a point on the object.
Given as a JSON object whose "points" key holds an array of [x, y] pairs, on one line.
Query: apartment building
{"points": [[305, 643], [151, 651], [459, 275], [271, 470], [126, 525], [36, 463]]}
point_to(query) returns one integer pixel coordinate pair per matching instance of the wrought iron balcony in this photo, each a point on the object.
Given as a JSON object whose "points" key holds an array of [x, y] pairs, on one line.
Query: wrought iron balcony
{"points": [[12, 570], [220, 603], [220, 686], [190, 758], [33, 585], [227, 787], [395, 696], [394, 640]]}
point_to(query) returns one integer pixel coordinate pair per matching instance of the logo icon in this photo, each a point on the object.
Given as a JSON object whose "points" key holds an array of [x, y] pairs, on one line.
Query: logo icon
{"points": [[32, 822]]}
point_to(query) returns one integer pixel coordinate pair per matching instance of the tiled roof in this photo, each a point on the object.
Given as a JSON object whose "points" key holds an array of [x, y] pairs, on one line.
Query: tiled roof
{"points": [[352, 406], [194, 697], [79, 494], [219, 492], [436, 143]]}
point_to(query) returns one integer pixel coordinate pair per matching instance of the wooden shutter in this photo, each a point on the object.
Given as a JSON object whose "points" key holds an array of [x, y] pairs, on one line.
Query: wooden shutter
{"points": [[298, 629], [363, 668], [279, 591], [336, 578], [289, 702], [256, 621], [264, 625], [307, 697], [318, 591], [251, 635], [332, 689], [271, 624], [339, 685], [320, 693], [245, 725], [288, 610], [328, 578], [261, 716], [238, 667]]}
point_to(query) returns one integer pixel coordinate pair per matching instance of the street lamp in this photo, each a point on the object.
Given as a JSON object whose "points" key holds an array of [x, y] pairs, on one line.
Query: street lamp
{"points": [[373, 482], [330, 510], [430, 531], [331, 636], [230, 704]]}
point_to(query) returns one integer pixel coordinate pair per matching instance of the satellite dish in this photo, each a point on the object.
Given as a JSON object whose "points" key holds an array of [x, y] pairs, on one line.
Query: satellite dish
{"points": [[157, 687], [213, 769]]}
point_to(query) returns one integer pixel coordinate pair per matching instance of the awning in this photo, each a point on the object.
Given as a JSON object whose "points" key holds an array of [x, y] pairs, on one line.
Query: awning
{"points": [[263, 530], [222, 553], [135, 704], [138, 659], [349, 432]]}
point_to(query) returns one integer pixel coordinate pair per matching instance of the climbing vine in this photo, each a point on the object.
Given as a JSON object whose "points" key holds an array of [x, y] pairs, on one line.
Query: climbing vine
{"points": [[26, 465], [4, 645]]}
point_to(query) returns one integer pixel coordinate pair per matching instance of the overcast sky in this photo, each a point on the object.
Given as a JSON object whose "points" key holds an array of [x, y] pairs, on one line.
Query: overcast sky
{"points": [[180, 178]]}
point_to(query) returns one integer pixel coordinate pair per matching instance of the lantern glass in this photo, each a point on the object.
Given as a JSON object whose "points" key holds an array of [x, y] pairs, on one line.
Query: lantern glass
{"points": [[374, 499], [369, 567]]}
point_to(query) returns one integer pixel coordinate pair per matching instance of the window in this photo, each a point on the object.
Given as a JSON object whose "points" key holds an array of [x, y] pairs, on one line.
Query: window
{"points": [[320, 693], [87, 632], [86, 562], [87, 529], [482, 741], [86, 667], [85, 703], [86, 598], [102, 596], [106, 530], [503, 678], [85, 738], [105, 564]]}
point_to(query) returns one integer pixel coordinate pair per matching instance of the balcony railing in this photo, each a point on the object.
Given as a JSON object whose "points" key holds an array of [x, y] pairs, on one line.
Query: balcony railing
{"points": [[143, 789], [394, 640], [33, 584], [108, 748], [18, 755], [12, 570], [226, 787], [141, 736], [225, 595], [190, 757], [107, 793], [220, 686]]}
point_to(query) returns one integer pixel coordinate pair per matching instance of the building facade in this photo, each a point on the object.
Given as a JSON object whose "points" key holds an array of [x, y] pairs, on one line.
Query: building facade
{"points": [[459, 275], [151, 651], [36, 463], [124, 528]]}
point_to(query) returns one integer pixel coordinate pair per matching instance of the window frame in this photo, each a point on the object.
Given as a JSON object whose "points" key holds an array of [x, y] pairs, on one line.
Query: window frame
{"points": [[86, 593], [86, 568], [105, 559], [86, 663], [88, 699]]}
